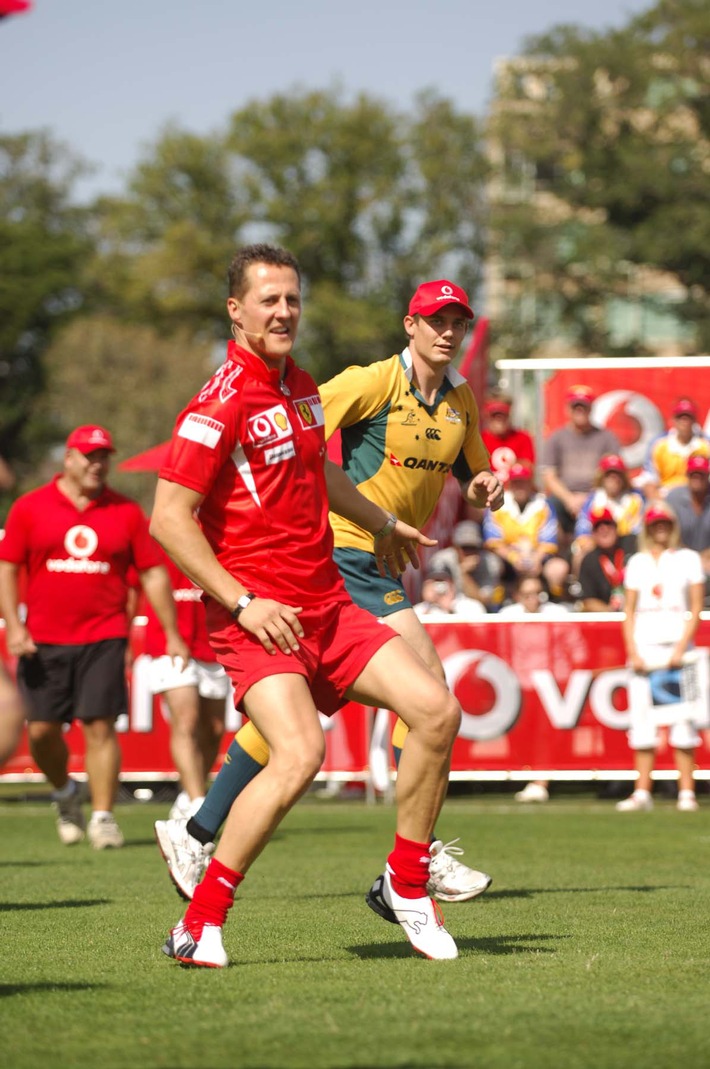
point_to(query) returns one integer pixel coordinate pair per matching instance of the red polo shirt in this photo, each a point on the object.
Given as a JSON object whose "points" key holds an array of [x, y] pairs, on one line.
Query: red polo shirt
{"points": [[77, 562]]}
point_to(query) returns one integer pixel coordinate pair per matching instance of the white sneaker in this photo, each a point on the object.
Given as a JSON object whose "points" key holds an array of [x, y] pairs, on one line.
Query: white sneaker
{"points": [[687, 802], [533, 792], [207, 950], [71, 823], [422, 922], [636, 802], [104, 832], [186, 857], [450, 880]]}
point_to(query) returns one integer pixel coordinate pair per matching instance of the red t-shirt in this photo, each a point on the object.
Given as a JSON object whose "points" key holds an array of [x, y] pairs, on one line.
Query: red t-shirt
{"points": [[255, 448], [506, 449], [77, 562], [192, 623]]}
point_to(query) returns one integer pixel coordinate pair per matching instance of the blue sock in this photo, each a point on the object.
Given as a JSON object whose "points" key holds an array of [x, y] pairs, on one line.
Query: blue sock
{"points": [[237, 770]]}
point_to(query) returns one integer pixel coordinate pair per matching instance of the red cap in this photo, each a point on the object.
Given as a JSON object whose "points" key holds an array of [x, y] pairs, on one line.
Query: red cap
{"points": [[431, 296], [580, 395], [601, 515], [697, 463], [656, 513], [612, 462], [521, 469], [90, 437], [494, 408], [684, 407]]}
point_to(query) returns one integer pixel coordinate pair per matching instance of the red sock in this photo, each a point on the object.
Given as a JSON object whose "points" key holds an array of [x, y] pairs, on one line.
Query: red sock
{"points": [[409, 865], [213, 898]]}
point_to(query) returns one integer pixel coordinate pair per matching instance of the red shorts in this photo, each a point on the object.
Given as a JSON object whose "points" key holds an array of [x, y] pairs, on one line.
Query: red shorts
{"points": [[338, 642]]}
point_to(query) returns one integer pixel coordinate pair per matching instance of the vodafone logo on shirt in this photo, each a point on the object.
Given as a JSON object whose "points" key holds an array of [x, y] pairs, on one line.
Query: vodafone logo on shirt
{"points": [[79, 542], [270, 426]]}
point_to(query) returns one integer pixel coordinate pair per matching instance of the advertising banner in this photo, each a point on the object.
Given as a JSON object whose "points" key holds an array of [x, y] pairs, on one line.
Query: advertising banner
{"points": [[537, 696]]}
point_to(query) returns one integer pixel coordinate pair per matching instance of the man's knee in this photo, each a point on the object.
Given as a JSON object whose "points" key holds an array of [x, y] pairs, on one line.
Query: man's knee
{"points": [[440, 723]]}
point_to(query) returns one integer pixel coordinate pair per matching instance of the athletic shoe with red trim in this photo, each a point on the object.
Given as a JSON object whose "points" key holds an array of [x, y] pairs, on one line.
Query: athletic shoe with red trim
{"points": [[207, 951], [422, 922]]}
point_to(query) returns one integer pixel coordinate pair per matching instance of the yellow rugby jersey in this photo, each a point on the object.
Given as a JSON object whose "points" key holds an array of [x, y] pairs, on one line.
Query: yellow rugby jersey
{"points": [[397, 449]]}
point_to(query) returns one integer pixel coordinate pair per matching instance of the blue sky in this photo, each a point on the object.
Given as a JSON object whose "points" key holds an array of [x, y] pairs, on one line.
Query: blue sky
{"points": [[105, 77]]}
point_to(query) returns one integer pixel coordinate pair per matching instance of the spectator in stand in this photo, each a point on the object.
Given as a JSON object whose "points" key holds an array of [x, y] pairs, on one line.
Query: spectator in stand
{"points": [[570, 458], [664, 588], [691, 504], [195, 692], [78, 539], [441, 597], [478, 573], [668, 454], [524, 531], [12, 715], [504, 442], [613, 492], [601, 574]]}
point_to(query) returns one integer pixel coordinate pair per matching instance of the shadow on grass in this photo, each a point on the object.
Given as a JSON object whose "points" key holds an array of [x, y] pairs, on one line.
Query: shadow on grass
{"points": [[495, 945], [66, 903], [528, 892], [7, 990]]}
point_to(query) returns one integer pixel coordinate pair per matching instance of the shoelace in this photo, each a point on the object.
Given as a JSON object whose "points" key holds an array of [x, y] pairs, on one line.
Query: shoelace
{"points": [[448, 852], [438, 915]]}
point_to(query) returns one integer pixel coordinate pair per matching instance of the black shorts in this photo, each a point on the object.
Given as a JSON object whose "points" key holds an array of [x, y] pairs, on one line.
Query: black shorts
{"points": [[64, 683]]}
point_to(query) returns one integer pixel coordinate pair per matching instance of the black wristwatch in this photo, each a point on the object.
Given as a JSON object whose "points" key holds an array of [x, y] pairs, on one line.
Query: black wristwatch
{"points": [[242, 604]]}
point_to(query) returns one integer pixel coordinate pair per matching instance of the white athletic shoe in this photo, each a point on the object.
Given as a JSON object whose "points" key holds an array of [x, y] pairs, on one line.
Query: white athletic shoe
{"points": [[71, 823], [533, 792], [422, 922], [207, 950], [687, 802], [104, 832], [180, 809], [186, 857], [449, 879], [635, 803]]}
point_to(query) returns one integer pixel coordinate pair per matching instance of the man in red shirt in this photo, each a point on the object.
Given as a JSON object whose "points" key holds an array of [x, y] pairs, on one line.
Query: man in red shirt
{"points": [[504, 442], [77, 539], [249, 453]]}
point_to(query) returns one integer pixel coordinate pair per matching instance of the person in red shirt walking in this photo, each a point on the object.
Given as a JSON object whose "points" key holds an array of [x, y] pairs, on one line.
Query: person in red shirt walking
{"points": [[194, 691], [77, 539], [249, 452]]}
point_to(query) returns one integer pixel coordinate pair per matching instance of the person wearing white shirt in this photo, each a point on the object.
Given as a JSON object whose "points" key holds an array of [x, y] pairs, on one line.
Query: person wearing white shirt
{"points": [[664, 588]]}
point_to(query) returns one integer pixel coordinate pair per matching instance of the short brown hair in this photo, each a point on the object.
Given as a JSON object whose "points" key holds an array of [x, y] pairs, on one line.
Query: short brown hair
{"points": [[257, 254]]}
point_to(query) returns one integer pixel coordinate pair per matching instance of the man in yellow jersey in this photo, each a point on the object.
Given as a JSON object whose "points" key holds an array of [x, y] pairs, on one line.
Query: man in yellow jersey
{"points": [[405, 423]]}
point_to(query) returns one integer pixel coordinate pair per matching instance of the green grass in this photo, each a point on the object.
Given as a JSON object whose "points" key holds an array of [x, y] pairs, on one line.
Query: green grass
{"points": [[590, 950]]}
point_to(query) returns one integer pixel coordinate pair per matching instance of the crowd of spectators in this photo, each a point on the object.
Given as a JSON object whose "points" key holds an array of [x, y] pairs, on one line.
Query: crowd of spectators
{"points": [[572, 520]]}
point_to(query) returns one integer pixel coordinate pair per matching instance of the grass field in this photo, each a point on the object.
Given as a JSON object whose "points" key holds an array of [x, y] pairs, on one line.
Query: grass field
{"points": [[590, 949]]}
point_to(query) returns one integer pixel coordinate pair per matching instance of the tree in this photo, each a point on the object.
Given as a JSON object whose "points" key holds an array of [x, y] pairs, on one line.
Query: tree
{"points": [[44, 243], [614, 130]]}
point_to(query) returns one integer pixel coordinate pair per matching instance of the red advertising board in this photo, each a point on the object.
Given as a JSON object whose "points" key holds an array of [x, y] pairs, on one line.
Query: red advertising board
{"points": [[538, 696]]}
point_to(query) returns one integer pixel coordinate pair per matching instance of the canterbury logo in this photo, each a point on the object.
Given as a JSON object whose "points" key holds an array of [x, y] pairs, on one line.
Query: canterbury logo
{"points": [[393, 597], [433, 434]]}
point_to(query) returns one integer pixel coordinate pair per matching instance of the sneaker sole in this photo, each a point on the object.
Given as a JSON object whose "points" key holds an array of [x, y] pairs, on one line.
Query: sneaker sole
{"points": [[166, 853]]}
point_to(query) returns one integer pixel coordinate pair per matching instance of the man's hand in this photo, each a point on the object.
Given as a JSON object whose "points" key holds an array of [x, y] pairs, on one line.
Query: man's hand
{"points": [[485, 491], [177, 649], [395, 550], [19, 641], [272, 623]]}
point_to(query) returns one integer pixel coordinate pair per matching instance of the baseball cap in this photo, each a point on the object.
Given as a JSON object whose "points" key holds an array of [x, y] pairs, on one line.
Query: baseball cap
{"points": [[440, 571], [612, 462], [601, 515], [521, 469], [496, 407], [431, 296], [658, 512], [685, 407], [697, 463], [580, 395], [90, 437], [466, 533]]}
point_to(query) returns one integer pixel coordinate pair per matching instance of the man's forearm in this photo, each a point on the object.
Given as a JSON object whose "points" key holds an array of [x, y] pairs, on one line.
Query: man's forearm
{"points": [[345, 499], [156, 584]]}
